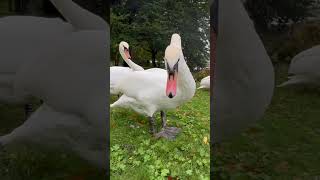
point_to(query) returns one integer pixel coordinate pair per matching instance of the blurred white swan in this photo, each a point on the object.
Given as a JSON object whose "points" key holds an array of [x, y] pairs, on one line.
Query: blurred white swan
{"points": [[205, 83], [244, 76], [305, 68], [66, 71]]}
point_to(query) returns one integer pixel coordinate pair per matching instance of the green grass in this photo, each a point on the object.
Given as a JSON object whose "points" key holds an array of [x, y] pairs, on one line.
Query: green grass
{"points": [[4, 8], [285, 144], [136, 155], [19, 162]]}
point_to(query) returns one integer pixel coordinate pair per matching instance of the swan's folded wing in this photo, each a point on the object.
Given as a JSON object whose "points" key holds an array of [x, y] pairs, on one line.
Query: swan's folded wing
{"points": [[143, 83]]}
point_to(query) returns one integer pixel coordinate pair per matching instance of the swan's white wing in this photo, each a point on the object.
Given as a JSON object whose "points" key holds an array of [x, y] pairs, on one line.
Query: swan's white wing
{"points": [[144, 91], [244, 77], [144, 84], [61, 130], [116, 74]]}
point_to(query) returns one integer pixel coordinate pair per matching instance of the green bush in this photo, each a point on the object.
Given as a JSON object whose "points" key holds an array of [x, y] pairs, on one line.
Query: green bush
{"points": [[302, 37], [201, 74]]}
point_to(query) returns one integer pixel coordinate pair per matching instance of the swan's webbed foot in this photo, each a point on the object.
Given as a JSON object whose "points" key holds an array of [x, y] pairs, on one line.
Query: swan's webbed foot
{"points": [[168, 133]]}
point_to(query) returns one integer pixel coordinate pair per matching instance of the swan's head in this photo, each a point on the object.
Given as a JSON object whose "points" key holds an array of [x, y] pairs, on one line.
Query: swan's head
{"points": [[124, 50], [176, 40], [171, 58]]}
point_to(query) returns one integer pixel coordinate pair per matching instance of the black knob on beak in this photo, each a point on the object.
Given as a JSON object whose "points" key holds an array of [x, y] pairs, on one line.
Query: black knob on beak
{"points": [[170, 95]]}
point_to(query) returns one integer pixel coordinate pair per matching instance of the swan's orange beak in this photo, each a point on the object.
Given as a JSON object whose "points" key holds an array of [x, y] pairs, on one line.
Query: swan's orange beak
{"points": [[127, 53], [171, 89]]}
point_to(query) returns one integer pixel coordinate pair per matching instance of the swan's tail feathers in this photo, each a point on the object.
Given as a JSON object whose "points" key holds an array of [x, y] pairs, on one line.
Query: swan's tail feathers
{"points": [[120, 102], [124, 101], [292, 81], [283, 84], [201, 87], [112, 105]]}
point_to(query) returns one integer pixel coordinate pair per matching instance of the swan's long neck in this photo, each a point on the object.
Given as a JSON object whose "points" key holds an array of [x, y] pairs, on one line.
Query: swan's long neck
{"points": [[130, 63], [185, 80], [80, 18]]}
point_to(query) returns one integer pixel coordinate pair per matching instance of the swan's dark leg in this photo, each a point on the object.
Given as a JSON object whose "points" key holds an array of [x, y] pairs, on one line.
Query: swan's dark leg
{"points": [[163, 119], [167, 132], [152, 123]]}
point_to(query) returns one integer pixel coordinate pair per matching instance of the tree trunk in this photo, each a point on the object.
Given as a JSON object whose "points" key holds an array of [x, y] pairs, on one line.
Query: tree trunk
{"points": [[116, 59], [153, 57], [17, 6], [10, 5], [124, 64]]}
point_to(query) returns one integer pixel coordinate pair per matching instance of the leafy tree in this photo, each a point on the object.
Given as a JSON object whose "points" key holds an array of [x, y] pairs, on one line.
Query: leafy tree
{"points": [[147, 25], [264, 12]]}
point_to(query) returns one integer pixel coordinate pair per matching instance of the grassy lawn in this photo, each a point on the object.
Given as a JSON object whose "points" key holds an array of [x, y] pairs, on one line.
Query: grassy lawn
{"points": [[136, 155], [284, 145], [4, 8], [20, 162]]}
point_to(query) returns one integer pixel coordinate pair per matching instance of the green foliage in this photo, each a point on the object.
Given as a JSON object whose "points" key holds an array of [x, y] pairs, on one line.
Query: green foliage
{"points": [[136, 155], [285, 144], [264, 12], [148, 25], [201, 74], [303, 36], [36, 162], [24, 162], [4, 8]]}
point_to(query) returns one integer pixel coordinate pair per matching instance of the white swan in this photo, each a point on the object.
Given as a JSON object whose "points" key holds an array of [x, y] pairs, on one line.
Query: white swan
{"points": [[68, 73], [304, 68], [152, 90], [37, 35], [205, 83], [36, 32], [243, 74], [119, 72]]}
